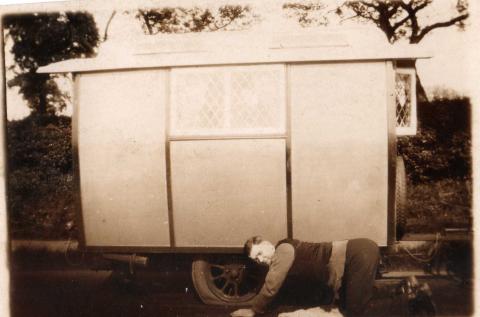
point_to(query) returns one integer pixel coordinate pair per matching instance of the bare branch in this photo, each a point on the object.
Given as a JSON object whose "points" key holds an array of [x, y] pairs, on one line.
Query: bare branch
{"points": [[144, 14], [439, 25], [421, 6], [391, 12], [400, 23], [349, 18], [105, 34], [413, 19], [368, 4], [406, 6]]}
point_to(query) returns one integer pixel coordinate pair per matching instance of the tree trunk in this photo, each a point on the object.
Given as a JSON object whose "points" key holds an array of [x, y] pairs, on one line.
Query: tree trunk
{"points": [[42, 105], [421, 94]]}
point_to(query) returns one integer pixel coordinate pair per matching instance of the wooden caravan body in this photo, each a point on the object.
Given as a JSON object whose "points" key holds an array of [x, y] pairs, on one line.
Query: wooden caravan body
{"points": [[196, 142]]}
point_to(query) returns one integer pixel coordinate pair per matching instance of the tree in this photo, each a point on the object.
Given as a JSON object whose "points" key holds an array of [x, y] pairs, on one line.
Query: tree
{"points": [[195, 19], [396, 18], [40, 39], [400, 19]]}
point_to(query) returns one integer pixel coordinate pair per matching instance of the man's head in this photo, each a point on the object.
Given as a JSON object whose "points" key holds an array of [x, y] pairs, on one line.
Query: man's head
{"points": [[259, 250]]}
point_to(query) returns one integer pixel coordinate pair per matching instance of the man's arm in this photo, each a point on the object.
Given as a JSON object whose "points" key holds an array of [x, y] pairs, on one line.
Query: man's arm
{"points": [[281, 263]]}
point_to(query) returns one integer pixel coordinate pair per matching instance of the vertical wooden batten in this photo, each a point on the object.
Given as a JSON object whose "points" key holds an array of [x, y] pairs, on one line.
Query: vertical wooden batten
{"points": [[392, 149], [168, 101], [287, 151], [76, 165]]}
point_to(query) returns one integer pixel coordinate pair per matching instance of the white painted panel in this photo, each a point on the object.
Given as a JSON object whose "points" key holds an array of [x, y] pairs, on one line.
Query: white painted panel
{"points": [[121, 140], [339, 151], [225, 191]]}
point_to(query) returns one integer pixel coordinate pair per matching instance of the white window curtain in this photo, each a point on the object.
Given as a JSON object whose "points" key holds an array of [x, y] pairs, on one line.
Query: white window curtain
{"points": [[228, 101]]}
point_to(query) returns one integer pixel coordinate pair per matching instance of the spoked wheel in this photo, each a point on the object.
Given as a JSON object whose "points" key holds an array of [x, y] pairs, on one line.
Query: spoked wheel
{"points": [[226, 280]]}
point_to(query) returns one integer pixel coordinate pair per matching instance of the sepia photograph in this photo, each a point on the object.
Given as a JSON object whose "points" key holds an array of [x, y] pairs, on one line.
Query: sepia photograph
{"points": [[277, 158]]}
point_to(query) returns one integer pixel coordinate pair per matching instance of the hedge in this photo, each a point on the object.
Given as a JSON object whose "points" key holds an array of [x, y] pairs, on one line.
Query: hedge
{"points": [[40, 178], [441, 149]]}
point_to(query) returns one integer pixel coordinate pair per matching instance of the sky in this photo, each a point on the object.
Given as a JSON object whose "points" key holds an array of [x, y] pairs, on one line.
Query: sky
{"points": [[449, 67]]}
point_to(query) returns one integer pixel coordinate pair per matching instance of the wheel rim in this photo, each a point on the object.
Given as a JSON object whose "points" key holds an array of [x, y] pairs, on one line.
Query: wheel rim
{"points": [[234, 282]]}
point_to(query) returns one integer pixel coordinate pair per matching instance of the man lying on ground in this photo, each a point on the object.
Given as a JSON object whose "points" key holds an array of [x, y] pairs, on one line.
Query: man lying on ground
{"points": [[346, 269]]}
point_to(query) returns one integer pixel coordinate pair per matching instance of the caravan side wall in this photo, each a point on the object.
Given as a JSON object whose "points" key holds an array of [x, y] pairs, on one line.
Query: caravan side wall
{"points": [[339, 151], [222, 190]]}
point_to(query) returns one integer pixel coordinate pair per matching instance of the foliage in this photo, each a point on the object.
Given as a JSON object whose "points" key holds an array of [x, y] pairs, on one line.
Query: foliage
{"points": [[40, 178], [43, 38], [306, 13], [442, 146], [439, 165], [195, 19], [400, 19]]}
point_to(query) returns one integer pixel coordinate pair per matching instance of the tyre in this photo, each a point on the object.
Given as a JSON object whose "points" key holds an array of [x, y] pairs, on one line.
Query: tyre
{"points": [[226, 280], [400, 198]]}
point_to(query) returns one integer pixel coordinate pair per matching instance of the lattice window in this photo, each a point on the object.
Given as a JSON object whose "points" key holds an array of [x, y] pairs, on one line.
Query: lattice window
{"points": [[405, 101], [228, 101]]}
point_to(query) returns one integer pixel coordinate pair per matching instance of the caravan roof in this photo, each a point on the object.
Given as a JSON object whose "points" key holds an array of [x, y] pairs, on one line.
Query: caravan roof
{"points": [[234, 47]]}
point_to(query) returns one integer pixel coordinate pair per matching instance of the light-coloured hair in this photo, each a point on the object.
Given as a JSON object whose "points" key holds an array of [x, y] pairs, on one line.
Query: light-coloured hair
{"points": [[247, 247]]}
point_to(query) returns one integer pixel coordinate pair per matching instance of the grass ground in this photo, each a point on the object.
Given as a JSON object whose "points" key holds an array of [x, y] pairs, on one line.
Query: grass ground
{"points": [[434, 206]]}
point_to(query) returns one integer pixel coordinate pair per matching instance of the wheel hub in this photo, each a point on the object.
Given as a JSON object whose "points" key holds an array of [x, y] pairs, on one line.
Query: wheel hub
{"points": [[232, 281], [233, 273]]}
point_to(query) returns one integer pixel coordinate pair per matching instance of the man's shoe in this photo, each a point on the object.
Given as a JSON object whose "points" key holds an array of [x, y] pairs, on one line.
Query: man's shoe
{"points": [[420, 301], [408, 287]]}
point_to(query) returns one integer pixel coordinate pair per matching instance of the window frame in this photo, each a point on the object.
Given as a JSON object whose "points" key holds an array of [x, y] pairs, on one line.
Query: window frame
{"points": [[412, 128], [227, 132]]}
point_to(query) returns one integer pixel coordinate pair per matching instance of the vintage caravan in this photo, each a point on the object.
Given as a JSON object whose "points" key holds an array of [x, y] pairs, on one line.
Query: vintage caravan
{"points": [[194, 143]]}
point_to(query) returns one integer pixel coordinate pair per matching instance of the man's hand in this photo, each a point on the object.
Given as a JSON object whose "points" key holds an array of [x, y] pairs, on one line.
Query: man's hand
{"points": [[244, 312]]}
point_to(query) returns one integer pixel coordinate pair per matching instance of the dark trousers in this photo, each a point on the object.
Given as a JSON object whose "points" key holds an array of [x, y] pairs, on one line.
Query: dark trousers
{"points": [[357, 297]]}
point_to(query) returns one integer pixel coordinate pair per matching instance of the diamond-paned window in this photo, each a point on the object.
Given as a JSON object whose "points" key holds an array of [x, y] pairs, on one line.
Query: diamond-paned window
{"points": [[228, 101], [405, 102]]}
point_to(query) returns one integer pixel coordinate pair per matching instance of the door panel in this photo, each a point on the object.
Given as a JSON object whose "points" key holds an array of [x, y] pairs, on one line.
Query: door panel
{"points": [[225, 191]]}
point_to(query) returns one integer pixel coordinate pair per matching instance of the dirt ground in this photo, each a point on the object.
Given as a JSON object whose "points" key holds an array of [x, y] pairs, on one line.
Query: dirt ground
{"points": [[434, 206], [91, 293]]}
